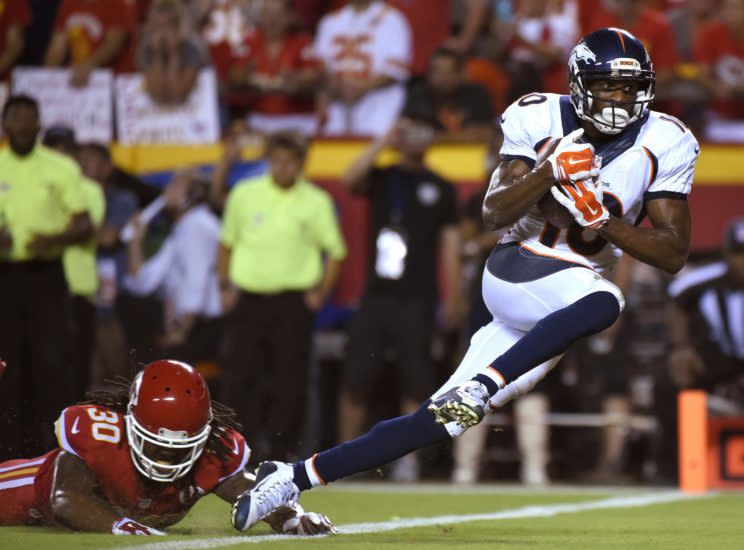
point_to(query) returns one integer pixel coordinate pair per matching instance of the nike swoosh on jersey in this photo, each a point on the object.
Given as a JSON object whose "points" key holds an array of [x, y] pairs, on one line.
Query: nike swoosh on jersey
{"points": [[236, 449], [503, 119], [697, 150], [75, 428], [571, 161]]}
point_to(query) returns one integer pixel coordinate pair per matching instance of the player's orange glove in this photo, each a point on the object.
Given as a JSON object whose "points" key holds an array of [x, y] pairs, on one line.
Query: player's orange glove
{"points": [[584, 200], [573, 161], [127, 526]]}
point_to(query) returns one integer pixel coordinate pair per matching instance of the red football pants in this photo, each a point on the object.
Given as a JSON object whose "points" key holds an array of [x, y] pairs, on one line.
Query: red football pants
{"points": [[17, 492]]}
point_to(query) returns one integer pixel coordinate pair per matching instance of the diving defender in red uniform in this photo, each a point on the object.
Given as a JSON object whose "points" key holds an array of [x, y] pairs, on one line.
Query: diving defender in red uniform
{"points": [[134, 461]]}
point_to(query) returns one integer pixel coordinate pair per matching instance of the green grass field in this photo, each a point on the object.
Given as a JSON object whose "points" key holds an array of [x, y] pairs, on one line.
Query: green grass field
{"points": [[546, 519]]}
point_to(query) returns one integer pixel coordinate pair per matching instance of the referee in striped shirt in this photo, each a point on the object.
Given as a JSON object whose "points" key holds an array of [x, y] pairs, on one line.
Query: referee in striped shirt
{"points": [[707, 328]]}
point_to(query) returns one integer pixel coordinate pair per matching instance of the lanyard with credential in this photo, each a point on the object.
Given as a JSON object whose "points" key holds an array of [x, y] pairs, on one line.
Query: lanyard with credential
{"points": [[392, 247], [397, 201]]}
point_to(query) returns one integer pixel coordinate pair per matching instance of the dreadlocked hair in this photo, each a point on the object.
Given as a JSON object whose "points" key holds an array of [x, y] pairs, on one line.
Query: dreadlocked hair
{"points": [[224, 418]]}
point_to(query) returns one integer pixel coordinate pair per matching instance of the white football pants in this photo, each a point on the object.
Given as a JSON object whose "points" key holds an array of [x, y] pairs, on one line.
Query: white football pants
{"points": [[516, 308]]}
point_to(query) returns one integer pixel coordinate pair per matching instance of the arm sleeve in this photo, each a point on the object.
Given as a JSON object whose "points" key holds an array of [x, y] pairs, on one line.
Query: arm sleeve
{"points": [[241, 454], [96, 203], [153, 272], [327, 230], [212, 471], [63, 430], [198, 261], [518, 143], [73, 193], [676, 167], [392, 56], [83, 429]]}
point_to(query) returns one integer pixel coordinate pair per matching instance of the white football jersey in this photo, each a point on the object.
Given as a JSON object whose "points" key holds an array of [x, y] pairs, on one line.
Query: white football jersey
{"points": [[645, 162], [361, 44]]}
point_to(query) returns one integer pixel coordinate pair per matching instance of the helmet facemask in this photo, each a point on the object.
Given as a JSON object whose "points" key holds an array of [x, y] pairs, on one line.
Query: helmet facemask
{"points": [[175, 443], [618, 115]]}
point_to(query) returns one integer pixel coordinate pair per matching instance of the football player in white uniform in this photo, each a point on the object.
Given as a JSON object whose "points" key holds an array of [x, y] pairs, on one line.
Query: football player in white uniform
{"points": [[543, 283]]}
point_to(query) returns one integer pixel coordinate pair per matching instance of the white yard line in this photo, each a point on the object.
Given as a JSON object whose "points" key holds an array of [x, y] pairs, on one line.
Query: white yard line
{"points": [[406, 523], [445, 488]]}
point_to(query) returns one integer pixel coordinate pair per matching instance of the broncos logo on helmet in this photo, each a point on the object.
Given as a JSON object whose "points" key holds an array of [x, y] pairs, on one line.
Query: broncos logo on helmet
{"points": [[582, 52], [611, 54]]}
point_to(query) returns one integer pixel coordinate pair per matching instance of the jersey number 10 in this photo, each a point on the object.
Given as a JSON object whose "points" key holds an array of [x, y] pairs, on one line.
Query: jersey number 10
{"points": [[575, 234]]}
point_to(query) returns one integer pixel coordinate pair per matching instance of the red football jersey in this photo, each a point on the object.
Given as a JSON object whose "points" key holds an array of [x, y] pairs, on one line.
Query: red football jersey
{"points": [[86, 23], [97, 436], [295, 54]]}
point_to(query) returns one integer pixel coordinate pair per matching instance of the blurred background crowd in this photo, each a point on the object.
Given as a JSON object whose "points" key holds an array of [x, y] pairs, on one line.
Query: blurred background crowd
{"points": [[244, 269]]}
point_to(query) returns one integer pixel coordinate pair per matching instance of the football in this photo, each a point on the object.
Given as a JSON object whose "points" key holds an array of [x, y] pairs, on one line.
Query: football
{"points": [[554, 212]]}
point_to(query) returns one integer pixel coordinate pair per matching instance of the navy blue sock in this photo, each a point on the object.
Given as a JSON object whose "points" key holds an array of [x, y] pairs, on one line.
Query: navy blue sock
{"points": [[386, 441], [553, 335]]}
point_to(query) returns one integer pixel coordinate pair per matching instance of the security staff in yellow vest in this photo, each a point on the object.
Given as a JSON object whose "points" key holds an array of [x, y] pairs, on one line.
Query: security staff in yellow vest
{"points": [[276, 230], [42, 211], [79, 262]]}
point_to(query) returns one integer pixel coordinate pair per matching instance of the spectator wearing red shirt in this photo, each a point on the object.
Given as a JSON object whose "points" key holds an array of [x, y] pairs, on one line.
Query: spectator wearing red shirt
{"points": [[651, 27], [224, 31], [278, 72], [14, 16], [719, 51], [92, 34]]}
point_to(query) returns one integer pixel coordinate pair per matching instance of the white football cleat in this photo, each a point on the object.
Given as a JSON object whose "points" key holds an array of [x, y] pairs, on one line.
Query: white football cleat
{"points": [[464, 404], [274, 488]]}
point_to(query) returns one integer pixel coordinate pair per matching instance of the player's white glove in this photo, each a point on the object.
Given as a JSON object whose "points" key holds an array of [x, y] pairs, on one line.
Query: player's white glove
{"points": [[583, 200], [309, 523], [127, 526], [571, 161]]}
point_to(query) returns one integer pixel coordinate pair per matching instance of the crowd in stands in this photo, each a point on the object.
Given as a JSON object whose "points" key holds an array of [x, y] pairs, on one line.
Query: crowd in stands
{"points": [[232, 279], [334, 67]]}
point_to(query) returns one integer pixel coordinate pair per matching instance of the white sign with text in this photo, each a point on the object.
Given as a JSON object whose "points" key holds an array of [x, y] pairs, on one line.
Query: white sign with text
{"points": [[88, 110], [140, 120]]}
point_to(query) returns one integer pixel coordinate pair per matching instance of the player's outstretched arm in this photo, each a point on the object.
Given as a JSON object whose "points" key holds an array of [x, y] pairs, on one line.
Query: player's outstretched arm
{"points": [[76, 504], [664, 245], [288, 521]]}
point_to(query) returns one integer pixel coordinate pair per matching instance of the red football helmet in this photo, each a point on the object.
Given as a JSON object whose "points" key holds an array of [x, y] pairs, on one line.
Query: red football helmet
{"points": [[168, 419]]}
